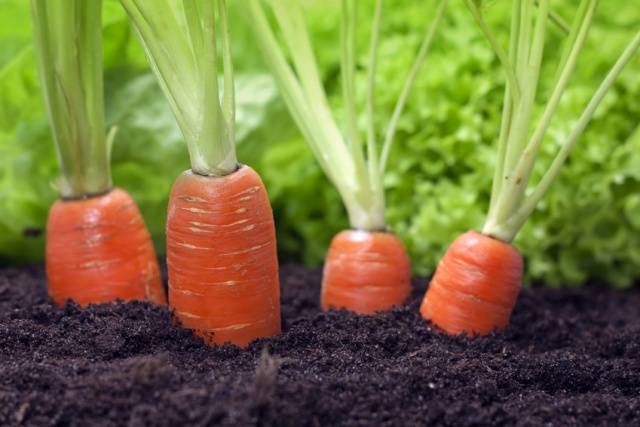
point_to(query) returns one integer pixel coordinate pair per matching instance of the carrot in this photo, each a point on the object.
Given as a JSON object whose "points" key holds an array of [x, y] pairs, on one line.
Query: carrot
{"points": [[365, 272], [221, 254], [221, 244], [99, 250], [475, 286]]}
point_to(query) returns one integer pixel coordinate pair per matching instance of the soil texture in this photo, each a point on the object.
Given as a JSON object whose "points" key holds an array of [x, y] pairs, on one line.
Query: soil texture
{"points": [[569, 357]]}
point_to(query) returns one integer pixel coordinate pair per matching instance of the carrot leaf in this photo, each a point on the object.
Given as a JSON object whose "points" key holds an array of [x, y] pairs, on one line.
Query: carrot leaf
{"points": [[180, 41], [355, 168], [68, 47], [520, 135]]}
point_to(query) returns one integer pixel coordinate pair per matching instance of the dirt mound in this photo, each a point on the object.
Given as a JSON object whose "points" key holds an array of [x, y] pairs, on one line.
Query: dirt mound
{"points": [[570, 357]]}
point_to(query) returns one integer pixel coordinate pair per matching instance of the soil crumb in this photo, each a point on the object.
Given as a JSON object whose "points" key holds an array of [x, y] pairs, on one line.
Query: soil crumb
{"points": [[570, 357]]}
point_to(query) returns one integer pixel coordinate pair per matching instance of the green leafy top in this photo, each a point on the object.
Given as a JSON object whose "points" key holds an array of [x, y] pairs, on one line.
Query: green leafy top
{"points": [[68, 45], [354, 167], [517, 145], [179, 38]]}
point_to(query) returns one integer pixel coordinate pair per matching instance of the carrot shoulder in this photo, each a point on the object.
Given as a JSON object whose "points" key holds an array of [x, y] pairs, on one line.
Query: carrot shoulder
{"points": [[221, 254], [99, 250], [366, 272], [475, 286]]}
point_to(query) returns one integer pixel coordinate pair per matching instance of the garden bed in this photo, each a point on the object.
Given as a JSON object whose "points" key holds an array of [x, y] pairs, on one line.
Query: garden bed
{"points": [[570, 357]]}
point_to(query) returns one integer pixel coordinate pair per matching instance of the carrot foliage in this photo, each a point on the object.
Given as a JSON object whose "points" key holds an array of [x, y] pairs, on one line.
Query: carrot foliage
{"points": [[355, 165], [520, 135], [68, 46], [180, 41]]}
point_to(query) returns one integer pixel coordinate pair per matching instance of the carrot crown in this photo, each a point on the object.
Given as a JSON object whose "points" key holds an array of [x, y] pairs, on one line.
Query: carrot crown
{"points": [[520, 136], [68, 46], [355, 167], [179, 38]]}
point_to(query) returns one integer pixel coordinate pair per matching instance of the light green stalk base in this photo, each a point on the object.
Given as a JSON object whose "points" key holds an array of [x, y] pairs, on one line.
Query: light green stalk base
{"points": [[68, 45]]}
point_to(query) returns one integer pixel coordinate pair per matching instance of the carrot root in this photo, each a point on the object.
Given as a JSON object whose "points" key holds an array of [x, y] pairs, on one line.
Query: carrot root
{"points": [[365, 272], [475, 286], [221, 255], [99, 250]]}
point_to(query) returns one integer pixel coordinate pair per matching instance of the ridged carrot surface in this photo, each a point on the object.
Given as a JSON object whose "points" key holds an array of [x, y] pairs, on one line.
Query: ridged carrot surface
{"points": [[365, 272], [221, 255], [99, 250], [475, 286]]}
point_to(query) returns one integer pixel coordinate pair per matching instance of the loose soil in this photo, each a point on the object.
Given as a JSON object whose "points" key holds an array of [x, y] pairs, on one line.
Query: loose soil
{"points": [[570, 357]]}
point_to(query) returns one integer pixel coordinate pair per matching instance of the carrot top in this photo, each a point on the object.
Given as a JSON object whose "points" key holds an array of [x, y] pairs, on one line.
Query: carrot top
{"points": [[68, 46], [179, 39], [520, 136], [355, 167]]}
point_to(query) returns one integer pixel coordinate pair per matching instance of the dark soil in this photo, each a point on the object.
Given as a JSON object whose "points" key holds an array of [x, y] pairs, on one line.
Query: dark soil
{"points": [[570, 357]]}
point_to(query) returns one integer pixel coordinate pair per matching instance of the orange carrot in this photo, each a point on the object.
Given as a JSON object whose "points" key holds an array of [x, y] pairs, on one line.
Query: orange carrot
{"points": [[477, 282], [99, 250], [221, 243], [221, 254], [475, 286], [366, 272]]}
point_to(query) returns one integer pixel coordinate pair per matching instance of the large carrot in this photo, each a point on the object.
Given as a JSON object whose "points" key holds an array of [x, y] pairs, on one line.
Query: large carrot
{"points": [[98, 248], [223, 270], [221, 247], [367, 268], [476, 284]]}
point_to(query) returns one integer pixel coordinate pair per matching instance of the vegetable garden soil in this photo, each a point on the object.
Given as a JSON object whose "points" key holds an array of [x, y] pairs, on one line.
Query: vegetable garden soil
{"points": [[570, 357]]}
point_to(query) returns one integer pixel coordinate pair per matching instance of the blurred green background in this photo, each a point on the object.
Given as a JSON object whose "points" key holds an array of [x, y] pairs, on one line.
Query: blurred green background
{"points": [[587, 227]]}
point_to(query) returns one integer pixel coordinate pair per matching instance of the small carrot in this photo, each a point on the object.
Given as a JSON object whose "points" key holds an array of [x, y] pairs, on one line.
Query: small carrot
{"points": [[221, 243], [365, 272], [476, 284], [221, 249], [98, 248]]}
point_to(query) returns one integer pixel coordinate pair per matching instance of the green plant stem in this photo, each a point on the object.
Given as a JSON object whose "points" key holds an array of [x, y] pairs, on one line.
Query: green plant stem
{"points": [[68, 46], [512, 208], [408, 84], [357, 177], [507, 65], [514, 184], [372, 155], [507, 112], [543, 186], [514, 191], [179, 39], [319, 130]]}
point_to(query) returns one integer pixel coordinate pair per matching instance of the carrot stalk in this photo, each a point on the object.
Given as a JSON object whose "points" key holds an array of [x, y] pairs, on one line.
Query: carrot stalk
{"points": [[355, 277], [221, 247], [475, 286], [98, 248]]}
